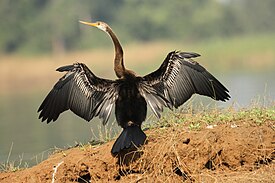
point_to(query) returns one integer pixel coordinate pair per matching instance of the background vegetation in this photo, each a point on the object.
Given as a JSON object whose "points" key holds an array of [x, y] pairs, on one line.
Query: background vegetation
{"points": [[46, 26]]}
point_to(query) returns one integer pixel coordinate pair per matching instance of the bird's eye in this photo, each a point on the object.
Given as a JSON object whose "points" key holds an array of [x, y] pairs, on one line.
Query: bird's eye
{"points": [[98, 23]]}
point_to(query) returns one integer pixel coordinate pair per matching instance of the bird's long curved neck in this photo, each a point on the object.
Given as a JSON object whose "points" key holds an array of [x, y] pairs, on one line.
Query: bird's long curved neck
{"points": [[119, 65]]}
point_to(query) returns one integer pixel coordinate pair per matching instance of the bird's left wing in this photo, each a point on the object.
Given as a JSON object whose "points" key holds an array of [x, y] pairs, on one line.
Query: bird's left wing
{"points": [[80, 91], [177, 79]]}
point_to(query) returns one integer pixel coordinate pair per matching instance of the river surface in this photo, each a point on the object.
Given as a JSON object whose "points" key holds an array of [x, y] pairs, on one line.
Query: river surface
{"points": [[24, 137]]}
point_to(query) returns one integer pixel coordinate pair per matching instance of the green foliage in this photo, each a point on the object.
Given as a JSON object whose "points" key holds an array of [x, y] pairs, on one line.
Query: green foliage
{"points": [[38, 26]]}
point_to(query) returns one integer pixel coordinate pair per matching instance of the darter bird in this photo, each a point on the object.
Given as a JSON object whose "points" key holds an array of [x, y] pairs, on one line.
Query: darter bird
{"points": [[89, 96]]}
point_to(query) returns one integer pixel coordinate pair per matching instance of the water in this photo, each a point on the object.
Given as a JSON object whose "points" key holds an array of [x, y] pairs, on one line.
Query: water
{"points": [[246, 88], [25, 138], [32, 140]]}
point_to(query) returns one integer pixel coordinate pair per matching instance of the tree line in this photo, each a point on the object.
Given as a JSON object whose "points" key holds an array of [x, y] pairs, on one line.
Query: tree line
{"points": [[44, 26]]}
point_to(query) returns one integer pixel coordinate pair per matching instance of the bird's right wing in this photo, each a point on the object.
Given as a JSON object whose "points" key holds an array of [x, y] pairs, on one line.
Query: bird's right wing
{"points": [[177, 79], [80, 91]]}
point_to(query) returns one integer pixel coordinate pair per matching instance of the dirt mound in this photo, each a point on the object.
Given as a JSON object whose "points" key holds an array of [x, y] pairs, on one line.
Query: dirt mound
{"points": [[223, 153]]}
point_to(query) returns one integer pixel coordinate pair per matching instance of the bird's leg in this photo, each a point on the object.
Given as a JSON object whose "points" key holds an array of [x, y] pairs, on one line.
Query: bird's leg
{"points": [[130, 123]]}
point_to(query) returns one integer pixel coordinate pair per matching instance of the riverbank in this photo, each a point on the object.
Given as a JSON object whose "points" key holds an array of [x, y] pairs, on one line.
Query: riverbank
{"points": [[221, 146]]}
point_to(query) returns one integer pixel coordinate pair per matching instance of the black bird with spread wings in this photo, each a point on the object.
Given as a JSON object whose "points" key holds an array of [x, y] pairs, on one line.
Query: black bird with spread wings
{"points": [[88, 96]]}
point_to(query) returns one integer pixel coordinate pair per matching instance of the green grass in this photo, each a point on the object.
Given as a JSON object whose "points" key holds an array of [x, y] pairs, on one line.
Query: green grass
{"points": [[247, 52], [240, 45], [203, 118], [244, 53]]}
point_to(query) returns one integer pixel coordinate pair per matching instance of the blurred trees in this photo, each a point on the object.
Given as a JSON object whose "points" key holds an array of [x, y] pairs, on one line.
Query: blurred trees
{"points": [[38, 26]]}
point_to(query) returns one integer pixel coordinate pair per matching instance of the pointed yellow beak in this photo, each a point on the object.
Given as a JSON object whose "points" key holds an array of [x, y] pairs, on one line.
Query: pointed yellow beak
{"points": [[88, 23]]}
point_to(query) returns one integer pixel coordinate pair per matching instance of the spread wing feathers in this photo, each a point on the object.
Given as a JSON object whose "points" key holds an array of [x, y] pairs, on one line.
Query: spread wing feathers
{"points": [[80, 91], [179, 77], [154, 98]]}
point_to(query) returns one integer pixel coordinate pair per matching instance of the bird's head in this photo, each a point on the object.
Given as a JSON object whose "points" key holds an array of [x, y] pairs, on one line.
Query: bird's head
{"points": [[100, 25]]}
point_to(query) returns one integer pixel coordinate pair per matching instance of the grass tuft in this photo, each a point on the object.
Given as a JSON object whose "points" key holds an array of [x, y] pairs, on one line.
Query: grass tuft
{"points": [[13, 166]]}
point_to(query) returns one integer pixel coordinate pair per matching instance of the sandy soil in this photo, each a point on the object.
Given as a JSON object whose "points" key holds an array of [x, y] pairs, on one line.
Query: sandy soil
{"points": [[225, 153]]}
